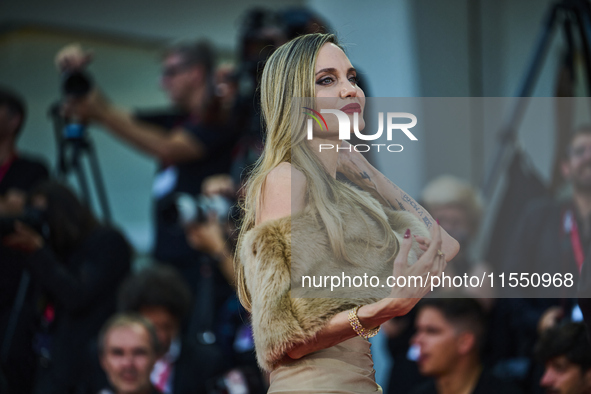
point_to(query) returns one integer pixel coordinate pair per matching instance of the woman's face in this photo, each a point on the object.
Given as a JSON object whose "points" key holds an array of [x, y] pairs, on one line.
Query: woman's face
{"points": [[336, 88]]}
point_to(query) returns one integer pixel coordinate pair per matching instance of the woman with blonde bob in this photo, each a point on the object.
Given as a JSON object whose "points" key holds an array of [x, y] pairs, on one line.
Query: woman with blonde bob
{"points": [[299, 219]]}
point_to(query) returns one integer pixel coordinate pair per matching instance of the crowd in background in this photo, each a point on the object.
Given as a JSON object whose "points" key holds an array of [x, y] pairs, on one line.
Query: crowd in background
{"points": [[76, 318]]}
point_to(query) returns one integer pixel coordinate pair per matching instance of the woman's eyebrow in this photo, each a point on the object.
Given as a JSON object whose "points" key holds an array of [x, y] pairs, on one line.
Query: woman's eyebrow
{"points": [[333, 70], [329, 70]]}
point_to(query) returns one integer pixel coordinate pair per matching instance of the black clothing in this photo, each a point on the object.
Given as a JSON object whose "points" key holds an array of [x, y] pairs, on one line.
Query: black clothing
{"points": [[209, 287], [584, 293], [195, 366], [541, 243], [218, 142], [153, 390], [404, 374], [487, 384], [83, 291], [22, 175]]}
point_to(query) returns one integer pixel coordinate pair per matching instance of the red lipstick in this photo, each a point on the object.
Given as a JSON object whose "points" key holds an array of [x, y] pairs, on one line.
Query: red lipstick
{"points": [[351, 108]]}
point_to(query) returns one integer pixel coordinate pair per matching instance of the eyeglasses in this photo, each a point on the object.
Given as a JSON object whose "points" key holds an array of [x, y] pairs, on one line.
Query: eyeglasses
{"points": [[580, 151], [173, 71]]}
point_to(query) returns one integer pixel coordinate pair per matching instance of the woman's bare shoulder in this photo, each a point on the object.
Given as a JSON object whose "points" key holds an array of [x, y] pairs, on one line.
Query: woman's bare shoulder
{"points": [[283, 193], [285, 171]]}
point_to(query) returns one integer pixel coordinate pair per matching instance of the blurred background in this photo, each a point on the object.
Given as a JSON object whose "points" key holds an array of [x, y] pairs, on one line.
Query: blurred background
{"points": [[403, 48]]}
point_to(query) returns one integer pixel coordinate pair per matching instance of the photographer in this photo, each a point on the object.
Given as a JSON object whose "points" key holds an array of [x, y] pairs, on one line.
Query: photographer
{"points": [[212, 230], [75, 271], [18, 174], [207, 220], [189, 139]]}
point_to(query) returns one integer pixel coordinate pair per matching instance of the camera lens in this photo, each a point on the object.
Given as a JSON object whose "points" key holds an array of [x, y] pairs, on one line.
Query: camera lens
{"points": [[77, 84]]}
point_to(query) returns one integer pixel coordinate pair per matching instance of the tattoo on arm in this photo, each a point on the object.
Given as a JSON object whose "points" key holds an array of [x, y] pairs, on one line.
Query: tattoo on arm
{"points": [[401, 205], [421, 212], [391, 183], [406, 199]]}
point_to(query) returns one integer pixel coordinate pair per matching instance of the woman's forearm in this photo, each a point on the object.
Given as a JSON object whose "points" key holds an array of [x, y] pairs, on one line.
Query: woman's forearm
{"points": [[339, 329], [384, 190], [395, 197]]}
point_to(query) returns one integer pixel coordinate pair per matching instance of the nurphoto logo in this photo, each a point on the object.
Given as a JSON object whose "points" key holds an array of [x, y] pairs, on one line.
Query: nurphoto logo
{"points": [[345, 128]]}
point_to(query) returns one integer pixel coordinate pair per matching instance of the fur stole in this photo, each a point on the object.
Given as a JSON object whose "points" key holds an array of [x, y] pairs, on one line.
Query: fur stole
{"points": [[278, 253]]}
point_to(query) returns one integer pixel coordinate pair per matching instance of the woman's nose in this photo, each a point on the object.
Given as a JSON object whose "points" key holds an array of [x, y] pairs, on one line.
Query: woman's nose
{"points": [[348, 90]]}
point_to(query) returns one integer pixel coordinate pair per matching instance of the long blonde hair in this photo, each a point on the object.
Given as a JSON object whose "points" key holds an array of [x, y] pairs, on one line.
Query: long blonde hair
{"points": [[290, 73]]}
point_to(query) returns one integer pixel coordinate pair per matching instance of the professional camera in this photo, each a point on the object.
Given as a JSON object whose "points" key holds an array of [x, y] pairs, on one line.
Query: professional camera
{"points": [[184, 208], [76, 84], [32, 217]]}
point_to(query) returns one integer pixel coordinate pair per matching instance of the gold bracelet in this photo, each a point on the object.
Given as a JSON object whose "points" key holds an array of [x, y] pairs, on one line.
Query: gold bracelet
{"points": [[358, 328]]}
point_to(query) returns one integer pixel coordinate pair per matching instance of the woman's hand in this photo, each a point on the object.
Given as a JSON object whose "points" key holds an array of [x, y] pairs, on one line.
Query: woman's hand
{"points": [[418, 283], [24, 239], [423, 242]]}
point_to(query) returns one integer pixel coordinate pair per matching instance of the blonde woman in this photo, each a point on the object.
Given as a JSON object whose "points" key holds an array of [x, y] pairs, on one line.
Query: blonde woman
{"points": [[299, 218]]}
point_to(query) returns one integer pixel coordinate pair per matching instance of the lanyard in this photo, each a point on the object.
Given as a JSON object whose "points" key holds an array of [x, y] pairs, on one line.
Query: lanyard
{"points": [[6, 166], [570, 225]]}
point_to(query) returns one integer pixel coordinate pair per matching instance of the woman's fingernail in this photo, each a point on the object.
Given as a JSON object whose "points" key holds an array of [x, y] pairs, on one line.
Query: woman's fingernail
{"points": [[407, 233], [437, 220]]}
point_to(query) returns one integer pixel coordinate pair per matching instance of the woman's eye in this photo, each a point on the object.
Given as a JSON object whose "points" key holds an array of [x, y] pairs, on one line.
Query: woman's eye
{"points": [[354, 80], [325, 81]]}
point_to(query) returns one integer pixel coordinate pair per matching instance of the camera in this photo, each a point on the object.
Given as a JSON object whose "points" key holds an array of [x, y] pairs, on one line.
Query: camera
{"points": [[33, 218], [183, 208], [76, 84]]}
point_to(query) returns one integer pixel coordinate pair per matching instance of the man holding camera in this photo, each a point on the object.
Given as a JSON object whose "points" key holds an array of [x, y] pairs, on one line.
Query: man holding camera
{"points": [[76, 264], [189, 139]]}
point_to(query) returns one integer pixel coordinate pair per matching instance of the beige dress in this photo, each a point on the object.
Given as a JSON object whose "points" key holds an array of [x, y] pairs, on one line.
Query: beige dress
{"points": [[346, 368], [274, 256]]}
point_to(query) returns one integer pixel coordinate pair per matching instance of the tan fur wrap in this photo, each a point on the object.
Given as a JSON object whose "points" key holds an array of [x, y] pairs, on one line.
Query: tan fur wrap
{"points": [[279, 321]]}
